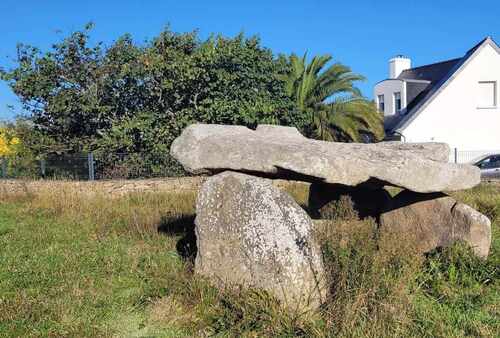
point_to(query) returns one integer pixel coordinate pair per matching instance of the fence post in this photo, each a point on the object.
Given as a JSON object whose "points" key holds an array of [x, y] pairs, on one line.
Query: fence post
{"points": [[90, 159], [43, 167], [4, 167], [456, 155]]}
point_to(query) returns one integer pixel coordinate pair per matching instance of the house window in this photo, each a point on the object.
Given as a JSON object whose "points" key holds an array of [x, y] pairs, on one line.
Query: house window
{"points": [[381, 104], [487, 94], [397, 102]]}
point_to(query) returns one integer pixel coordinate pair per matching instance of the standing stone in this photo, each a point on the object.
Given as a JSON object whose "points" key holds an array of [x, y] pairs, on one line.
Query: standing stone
{"points": [[253, 234], [436, 220]]}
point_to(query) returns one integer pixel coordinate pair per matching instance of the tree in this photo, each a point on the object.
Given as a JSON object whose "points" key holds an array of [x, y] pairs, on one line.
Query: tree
{"points": [[336, 109], [77, 92], [138, 98]]}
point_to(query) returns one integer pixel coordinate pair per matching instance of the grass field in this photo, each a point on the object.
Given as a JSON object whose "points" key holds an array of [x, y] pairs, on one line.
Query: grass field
{"points": [[86, 265]]}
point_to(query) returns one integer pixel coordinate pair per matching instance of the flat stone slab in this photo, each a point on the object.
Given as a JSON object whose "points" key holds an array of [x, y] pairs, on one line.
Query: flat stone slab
{"points": [[283, 151]]}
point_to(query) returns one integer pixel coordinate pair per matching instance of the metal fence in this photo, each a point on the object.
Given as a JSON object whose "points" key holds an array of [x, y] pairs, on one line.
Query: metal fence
{"points": [[101, 166], [91, 166], [135, 165], [469, 156], [67, 166]]}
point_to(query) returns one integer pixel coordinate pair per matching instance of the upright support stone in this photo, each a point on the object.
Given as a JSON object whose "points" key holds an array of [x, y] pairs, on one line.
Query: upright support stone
{"points": [[435, 220], [253, 234]]}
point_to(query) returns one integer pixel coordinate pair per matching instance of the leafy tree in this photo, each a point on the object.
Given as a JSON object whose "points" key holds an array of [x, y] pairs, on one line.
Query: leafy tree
{"points": [[336, 109], [138, 98], [78, 93]]}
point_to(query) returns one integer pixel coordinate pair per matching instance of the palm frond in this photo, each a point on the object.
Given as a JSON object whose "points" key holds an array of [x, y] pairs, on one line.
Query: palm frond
{"points": [[327, 94]]}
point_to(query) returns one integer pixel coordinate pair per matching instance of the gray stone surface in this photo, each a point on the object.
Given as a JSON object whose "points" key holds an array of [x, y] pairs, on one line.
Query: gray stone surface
{"points": [[282, 152], [436, 220], [253, 234], [430, 150]]}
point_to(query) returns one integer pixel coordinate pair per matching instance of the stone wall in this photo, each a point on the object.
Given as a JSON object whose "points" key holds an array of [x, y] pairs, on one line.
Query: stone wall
{"points": [[121, 187], [112, 187]]}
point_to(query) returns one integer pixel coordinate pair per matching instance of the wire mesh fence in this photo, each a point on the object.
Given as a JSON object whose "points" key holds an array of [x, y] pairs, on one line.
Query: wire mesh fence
{"points": [[470, 156], [105, 166], [135, 165], [57, 166], [91, 166]]}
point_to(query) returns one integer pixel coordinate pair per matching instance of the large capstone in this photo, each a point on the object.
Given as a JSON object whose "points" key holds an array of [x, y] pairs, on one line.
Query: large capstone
{"points": [[284, 152], [430, 221], [251, 233]]}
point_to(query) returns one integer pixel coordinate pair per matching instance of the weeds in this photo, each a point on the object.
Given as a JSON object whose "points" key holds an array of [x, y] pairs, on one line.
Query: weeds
{"points": [[80, 263], [339, 210]]}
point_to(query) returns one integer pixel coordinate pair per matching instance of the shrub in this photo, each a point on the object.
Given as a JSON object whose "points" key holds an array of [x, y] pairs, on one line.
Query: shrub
{"points": [[341, 209], [9, 142]]}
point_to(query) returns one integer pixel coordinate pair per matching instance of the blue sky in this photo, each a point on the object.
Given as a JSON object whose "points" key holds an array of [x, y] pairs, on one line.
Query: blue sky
{"points": [[363, 34]]}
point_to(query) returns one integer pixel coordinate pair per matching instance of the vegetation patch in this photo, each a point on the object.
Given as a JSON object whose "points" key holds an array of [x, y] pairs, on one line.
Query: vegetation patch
{"points": [[126, 102], [75, 264]]}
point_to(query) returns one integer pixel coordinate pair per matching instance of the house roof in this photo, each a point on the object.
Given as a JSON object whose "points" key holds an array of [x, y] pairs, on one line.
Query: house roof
{"points": [[433, 72], [439, 74]]}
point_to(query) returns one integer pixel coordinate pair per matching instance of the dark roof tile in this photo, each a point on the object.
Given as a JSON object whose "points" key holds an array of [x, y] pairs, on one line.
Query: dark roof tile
{"points": [[433, 72]]}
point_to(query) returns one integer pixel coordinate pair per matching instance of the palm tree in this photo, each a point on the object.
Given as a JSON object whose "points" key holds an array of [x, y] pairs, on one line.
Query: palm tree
{"points": [[335, 108]]}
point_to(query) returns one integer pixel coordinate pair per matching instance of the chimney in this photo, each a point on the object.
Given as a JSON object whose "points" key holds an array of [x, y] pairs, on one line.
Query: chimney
{"points": [[397, 65]]}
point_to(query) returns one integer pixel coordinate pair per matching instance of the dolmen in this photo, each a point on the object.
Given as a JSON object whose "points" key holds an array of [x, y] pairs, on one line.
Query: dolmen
{"points": [[251, 233]]}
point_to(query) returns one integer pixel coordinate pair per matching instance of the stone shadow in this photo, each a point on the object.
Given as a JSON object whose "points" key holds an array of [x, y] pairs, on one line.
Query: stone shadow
{"points": [[181, 226], [281, 173], [406, 198], [367, 200]]}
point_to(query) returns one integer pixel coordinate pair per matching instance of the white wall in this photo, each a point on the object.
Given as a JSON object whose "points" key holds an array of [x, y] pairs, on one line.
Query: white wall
{"points": [[453, 115], [388, 88], [397, 65]]}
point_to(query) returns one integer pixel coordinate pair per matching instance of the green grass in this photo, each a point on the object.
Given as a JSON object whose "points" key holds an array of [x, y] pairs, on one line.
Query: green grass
{"points": [[86, 265], [62, 278]]}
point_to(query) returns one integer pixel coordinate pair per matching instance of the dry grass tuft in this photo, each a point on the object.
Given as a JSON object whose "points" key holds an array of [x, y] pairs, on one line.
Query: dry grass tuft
{"points": [[370, 283], [79, 262]]}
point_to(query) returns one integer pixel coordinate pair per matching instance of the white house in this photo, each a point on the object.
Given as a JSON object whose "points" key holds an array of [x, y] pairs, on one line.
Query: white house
{"points": [[454, 101]]}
